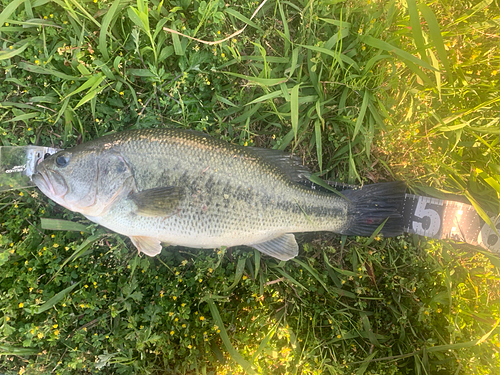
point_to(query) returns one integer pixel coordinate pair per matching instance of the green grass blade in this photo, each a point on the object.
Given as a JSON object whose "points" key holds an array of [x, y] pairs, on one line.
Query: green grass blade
{"points": [[257, 80], [240, 267], [264, 342], [383, 45], [41, 70], [247, 367], [104, 28], [294, 106], [66, 225], [364, 366], [84, 11], [8, 10], [416, 28], [319, 147], [89, 84], [494, 183], [436, 37], [54, 300], [340, 57], [263, 98], [24, 117], [80, 250], [361, 114], [13, 350], [9, 53], [242, 18]]}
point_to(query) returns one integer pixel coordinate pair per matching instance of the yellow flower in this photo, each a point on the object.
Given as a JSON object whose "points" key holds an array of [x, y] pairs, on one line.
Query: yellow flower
{"points": [[40, 335], [244, 277], [189, 346], [172, 333], [174, 298], [121, 93], [184, 326], [7, 318], [55, 245], [56, 332], [202, 318], [11, 47], [55, 326], [21, 194], [51, 15]]}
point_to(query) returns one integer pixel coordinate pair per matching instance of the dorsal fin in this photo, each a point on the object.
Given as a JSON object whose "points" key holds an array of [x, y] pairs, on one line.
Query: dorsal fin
{"points": [[290, 165]]}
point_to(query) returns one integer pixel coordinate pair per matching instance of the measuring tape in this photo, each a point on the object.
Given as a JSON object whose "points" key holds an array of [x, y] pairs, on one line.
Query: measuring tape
{"points": [[440, 219]]}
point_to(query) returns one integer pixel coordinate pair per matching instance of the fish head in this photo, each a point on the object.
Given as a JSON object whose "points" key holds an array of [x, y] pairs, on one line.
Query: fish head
{"points": [[84, 180]]}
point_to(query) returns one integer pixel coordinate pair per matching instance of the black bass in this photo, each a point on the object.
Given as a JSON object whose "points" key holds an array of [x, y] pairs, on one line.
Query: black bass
{"points": [[184, 188]]}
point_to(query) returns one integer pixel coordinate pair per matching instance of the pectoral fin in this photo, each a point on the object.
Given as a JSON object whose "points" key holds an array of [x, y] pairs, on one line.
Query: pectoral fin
{"points": [[162, 201], [283, 247], [147, 245]]}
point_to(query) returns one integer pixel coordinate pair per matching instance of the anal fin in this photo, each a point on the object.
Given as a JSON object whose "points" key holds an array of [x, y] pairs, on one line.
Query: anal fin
{"points": [[147, 245], [284, 247]]}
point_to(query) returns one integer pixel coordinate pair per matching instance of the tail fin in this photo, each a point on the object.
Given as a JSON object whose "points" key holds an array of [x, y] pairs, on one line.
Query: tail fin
{"points": [[371, 205]]}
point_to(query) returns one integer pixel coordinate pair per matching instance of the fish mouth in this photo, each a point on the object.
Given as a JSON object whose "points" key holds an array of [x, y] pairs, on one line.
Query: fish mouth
{"points": [[43, 183], [42, 178]]}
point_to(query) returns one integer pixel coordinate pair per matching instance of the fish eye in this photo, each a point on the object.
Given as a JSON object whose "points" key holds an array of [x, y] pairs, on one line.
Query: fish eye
{"points": [[62, 160]]}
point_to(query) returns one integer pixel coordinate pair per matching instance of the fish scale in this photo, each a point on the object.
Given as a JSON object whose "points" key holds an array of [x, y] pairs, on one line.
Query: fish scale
{"points": [[186, 188]]}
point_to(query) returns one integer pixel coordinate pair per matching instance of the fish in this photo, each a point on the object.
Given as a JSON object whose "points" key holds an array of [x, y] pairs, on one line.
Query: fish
{"points": [[185, 188]]}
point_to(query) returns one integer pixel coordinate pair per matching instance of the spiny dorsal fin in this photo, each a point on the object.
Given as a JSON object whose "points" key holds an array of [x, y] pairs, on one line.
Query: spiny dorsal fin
{"points": [[162, 201], [284, 247]]}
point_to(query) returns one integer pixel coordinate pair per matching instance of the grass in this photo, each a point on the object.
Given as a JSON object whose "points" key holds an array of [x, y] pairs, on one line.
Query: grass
{"points": [[364, 91]]}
